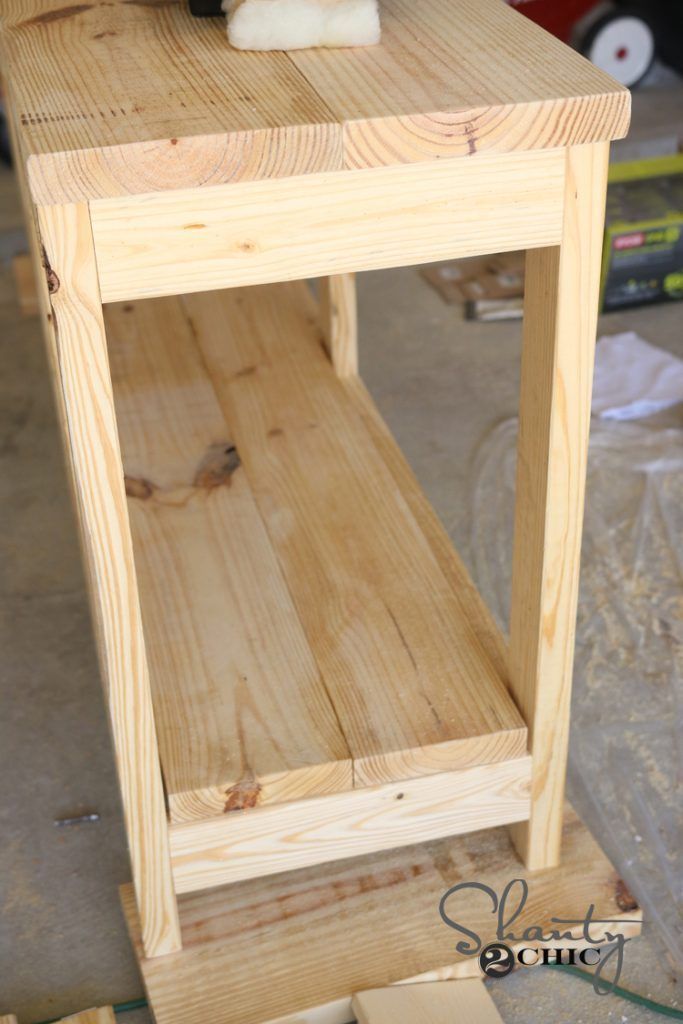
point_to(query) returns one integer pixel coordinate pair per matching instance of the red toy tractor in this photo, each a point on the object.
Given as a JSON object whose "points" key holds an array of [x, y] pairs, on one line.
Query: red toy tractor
{"points": [[619, 37]]}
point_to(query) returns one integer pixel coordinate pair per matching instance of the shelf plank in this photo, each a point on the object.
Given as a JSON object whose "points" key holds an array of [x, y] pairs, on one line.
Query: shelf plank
{"points": [[242, 714], [295, 835], [327, 932], [414, 685], [309, 627]]}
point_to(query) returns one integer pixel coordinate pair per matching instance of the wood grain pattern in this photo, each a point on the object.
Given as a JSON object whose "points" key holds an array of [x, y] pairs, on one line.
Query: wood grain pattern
{"points": [[437, 1002], [429, 90], [332, 223], [166, 103], [299, 924], [79, 359], [124, 97], [487, 635], [414, 688], [560, 316], [103, 1015], [276, 839], [242, 715], [339, 322]]}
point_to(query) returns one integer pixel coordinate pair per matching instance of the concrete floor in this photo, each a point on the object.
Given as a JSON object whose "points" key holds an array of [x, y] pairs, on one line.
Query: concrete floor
{"points": [[442, 385]]}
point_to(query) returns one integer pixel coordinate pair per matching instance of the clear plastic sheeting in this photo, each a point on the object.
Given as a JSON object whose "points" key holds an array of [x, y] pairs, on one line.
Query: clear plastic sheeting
{"points": [[627, 708]]}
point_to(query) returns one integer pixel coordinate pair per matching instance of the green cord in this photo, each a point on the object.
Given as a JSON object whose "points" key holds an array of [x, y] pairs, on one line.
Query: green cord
{"points": [[631, 997], [133, 1004]]}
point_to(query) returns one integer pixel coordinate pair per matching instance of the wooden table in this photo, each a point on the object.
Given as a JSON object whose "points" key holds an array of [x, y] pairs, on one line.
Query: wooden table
{"points": [[297, 665]]}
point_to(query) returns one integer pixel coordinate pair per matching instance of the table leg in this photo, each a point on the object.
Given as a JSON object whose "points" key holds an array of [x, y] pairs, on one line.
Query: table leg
{"points": [[560, 314], [339, 322], [78, 354]]}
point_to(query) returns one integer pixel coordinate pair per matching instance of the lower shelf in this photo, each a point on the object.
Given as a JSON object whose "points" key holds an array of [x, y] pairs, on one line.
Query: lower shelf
{"points": [[295, 948], [309, 628]]}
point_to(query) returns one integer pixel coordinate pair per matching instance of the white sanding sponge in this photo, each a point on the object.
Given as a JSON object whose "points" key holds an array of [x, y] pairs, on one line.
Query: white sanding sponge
{"points": [[297, 24]]}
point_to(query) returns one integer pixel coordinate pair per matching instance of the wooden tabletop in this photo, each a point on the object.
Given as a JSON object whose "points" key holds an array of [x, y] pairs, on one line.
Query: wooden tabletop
{"points": [[116, 97]]}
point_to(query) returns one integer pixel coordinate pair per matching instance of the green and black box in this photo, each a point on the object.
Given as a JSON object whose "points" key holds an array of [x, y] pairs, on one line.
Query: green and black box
{"points": [[643, 250]]}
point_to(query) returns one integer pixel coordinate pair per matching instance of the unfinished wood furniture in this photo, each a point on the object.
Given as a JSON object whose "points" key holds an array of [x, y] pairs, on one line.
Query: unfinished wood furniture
{"points": [[296, 664], [336, 929]]}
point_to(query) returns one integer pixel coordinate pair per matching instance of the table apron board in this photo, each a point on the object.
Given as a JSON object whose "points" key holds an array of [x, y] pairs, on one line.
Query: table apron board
{"points": [[285, 837], [329, 223]]}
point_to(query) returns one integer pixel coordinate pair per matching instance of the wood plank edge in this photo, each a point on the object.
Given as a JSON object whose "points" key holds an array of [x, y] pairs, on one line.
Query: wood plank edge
{"points": [[284, 787], [84, 175], [282, 838], [447, 135]]}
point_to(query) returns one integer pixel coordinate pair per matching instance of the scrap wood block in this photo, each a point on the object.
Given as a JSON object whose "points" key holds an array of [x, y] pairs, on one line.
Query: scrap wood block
{"points": [[438, 1002], [101, 1015]]}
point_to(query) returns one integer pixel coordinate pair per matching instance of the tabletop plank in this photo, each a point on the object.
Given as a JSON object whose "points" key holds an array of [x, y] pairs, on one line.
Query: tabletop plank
{"points": [[118, 97], [456, 77]]}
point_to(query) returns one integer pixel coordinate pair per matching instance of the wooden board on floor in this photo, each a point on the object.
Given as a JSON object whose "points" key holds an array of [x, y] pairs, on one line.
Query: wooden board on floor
{"points": [[103, 1015], [438, 1002], [167, 103], [302, 633], [327, 932]]}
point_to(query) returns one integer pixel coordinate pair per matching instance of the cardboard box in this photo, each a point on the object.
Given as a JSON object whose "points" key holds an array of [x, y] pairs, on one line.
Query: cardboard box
{"points": [[643, 248]]}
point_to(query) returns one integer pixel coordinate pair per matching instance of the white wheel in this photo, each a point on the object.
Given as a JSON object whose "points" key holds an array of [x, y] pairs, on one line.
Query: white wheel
{"points": [[623, 46]]}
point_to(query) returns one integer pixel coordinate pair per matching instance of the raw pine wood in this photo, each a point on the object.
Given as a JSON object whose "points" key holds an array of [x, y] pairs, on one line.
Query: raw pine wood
{"points": [[79, 359], [194, 167], [438, 1002], [276, 839], [453, 77], [242, 714], [339, 322], [331, 223], [103, 1015], [216, 607], [560, 315], [473, 607], [414, 687], [330, 931], [166, 102]]}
